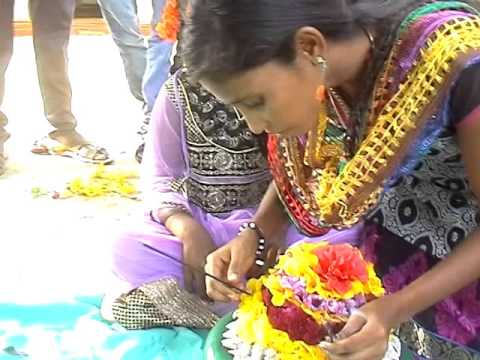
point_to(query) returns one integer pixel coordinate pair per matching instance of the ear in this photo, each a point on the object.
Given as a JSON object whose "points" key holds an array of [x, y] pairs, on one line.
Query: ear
{"points": [[309, 43]]}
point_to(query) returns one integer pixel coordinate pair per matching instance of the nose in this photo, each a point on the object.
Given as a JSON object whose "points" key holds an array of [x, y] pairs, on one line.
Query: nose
{"points": [[256, 124]]}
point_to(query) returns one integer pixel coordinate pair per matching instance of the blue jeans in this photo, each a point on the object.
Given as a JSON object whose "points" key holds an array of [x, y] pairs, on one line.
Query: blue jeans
{"points": [[146, 65]]}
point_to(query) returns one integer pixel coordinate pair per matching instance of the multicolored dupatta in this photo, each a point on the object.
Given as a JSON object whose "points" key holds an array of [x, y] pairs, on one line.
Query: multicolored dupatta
{"points": [[321, 184]]}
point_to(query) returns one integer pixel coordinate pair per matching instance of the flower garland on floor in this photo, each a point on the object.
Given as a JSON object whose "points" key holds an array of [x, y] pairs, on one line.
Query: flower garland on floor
{"points": [[103, 182], [307, 297]]}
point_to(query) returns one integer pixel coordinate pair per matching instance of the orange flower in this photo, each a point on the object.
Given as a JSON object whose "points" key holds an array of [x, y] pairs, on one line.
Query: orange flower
{"points": [[339, 266], [169, 25]]}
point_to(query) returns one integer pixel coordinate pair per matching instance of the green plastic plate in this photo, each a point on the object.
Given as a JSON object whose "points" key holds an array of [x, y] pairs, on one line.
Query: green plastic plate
{"points": [[214, 349]]}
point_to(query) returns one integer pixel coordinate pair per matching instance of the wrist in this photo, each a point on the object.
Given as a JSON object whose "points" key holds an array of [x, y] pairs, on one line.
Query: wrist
{"points": [[401, 306], [273, 231], [261, 246], [182, 225]]}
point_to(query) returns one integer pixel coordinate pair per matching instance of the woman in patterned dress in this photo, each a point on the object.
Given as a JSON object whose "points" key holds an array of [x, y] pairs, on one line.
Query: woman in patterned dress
{"points": [[373, 114], [204, 173]]}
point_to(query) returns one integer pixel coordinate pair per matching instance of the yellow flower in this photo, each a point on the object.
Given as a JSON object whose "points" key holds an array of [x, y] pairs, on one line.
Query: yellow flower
{"points": [[299, 262], [279, 294], [374, 285], [254, 327], [102, 183]]}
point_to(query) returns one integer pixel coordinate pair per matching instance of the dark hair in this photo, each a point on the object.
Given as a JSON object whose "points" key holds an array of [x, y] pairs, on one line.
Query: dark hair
{"points": [[222, 37]]}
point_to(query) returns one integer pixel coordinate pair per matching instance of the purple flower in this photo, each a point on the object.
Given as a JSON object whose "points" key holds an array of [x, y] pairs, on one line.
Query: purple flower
{"points": [[406, 273], [317, 303], [458, 317]]}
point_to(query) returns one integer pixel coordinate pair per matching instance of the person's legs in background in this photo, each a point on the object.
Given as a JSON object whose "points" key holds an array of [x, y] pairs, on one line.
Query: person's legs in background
{"points": [[6, 49], [146, 68], [51, 22], [159, 52], [122, 19], [158, 69]]}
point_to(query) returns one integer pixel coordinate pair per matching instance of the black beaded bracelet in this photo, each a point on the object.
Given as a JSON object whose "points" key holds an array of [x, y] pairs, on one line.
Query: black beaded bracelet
{"points": [[260, 241]]}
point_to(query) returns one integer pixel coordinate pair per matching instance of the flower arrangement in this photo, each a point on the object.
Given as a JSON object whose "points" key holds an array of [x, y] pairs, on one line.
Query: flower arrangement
{"points": [[306, 298]]}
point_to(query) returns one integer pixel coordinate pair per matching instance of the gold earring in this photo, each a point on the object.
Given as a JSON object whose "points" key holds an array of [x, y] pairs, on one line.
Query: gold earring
{"points": [[320, 60], [321, 92]]}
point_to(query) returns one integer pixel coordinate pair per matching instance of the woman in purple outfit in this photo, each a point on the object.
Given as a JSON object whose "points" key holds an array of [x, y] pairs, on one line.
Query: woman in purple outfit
{"points": [[204, 174]]}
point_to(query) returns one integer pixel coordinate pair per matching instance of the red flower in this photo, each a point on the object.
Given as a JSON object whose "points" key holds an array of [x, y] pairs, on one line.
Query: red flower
{"points": [[294, 321], [340, 265]]}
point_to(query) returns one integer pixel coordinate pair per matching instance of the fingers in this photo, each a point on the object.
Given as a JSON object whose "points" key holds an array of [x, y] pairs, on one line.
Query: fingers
{"points": [[348, 337], [242, 255], [352, 344], [367, 353], [358, 347], [355, 323], [217, 265], [230, 264], [365, 342], [219, 292], [240, 263]]}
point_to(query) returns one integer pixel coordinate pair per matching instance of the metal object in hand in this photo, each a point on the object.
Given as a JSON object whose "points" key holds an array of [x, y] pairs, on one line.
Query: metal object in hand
{"points": [[168, 256]]}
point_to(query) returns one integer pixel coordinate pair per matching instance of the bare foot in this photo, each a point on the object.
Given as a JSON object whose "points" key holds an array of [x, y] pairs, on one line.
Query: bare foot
{"points": [[68, 138]]}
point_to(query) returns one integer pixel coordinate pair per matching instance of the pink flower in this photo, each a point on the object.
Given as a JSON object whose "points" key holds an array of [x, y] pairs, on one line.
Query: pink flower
{"points": [[369, 241], [406, 273], [458, 317], [339, 266]]}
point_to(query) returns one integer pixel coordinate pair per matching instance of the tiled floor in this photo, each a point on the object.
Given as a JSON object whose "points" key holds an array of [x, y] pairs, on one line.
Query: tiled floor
{"points": [[56, 247]]}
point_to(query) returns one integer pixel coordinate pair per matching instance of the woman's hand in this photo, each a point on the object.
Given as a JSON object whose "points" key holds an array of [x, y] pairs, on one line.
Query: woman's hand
{"points": [[234, 263], [367, 332], [197, 245], [231, 263]]}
